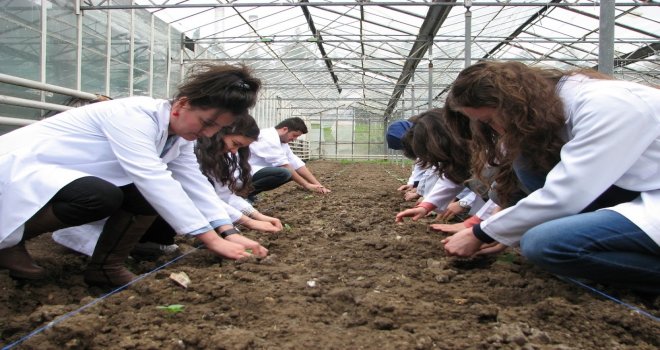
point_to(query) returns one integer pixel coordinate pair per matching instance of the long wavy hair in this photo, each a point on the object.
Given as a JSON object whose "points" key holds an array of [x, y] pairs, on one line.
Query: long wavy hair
{"points": [[430, 141], [224, 167], [526, 106]]}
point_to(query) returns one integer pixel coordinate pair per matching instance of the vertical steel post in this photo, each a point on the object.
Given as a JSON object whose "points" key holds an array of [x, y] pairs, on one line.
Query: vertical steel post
{"points": [[430, 98], [606, 37], [468, 33]]}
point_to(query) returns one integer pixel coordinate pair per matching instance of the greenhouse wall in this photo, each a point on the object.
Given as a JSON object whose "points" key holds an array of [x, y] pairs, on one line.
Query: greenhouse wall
{"points": [[115, 53]]}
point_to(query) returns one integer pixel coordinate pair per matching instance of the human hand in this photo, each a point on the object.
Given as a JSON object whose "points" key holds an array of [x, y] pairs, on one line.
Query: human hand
{"points": [[416, 213], [246, 243], [261, 217], [491, 248], [324, 190], [404, 188], [452, 210], [411, 195], [258, 225], [462, 244], [275, 222], [222, 247], [448, 228]]}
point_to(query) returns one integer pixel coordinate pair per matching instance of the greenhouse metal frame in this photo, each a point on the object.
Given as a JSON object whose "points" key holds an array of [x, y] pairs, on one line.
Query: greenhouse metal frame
{"points": [[347, 67]]}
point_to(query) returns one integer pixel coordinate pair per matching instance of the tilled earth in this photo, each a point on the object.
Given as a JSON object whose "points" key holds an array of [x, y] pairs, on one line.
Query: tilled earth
{"points": [[341, 276]]}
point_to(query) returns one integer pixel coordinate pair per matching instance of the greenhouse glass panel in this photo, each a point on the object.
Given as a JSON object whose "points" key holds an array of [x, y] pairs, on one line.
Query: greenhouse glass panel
{"points": [[94, 59], [160, 60], [20, 47]]}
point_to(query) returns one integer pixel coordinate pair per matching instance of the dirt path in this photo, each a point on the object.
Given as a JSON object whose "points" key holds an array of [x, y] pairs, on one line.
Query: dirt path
{"points": [[342, 277]]}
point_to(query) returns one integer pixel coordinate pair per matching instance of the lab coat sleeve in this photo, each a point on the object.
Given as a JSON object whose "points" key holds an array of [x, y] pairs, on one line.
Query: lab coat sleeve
{"points": [[233, 200], [443, 192], [185, 169], [132, 134], [292, 159], [416, 175]]}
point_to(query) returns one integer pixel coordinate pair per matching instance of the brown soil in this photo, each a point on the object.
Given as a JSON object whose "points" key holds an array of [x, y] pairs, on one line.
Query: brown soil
{"points": [[343, 276]]}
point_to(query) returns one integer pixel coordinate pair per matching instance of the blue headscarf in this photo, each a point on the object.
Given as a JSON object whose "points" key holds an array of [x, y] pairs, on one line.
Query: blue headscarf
{"points": [[395, 133]]}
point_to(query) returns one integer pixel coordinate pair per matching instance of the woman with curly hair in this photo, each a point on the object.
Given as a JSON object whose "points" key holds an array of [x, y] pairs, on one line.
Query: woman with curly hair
{"points": [[455, 190], [576, 142]]}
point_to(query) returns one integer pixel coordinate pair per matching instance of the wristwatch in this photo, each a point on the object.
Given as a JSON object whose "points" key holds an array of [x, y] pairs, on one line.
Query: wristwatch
{"points": [[229, 232], [464, 204]]}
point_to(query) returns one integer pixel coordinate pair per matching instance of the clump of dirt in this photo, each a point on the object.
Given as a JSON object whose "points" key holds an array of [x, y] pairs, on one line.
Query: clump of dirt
{"points": [[343, 275]]}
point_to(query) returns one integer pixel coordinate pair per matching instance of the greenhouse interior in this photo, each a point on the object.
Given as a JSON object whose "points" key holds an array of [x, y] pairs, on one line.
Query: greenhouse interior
{"points": [[348, 68], [528, 223]]}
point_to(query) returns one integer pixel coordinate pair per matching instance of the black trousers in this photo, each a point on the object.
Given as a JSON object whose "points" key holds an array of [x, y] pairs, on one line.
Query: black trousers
{"points": [[269, 178], [90, 198]]}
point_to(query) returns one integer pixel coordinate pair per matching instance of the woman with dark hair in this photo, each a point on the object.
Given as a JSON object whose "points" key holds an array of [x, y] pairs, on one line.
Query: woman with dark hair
{"points": [[576, 142], [126, 160], [223, 160], [429, 142]]}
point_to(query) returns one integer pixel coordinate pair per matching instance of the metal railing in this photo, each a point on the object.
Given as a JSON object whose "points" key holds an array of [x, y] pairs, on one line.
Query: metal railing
{"points": [[23, 102]]}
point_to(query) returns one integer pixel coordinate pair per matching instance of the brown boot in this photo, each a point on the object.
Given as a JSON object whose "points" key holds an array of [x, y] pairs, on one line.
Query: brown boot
{"points": [[120, 234], [17, 259]]}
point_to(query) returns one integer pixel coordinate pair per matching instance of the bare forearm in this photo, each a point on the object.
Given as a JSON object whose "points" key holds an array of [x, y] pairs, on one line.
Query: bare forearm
{"points": [[307, 175]]}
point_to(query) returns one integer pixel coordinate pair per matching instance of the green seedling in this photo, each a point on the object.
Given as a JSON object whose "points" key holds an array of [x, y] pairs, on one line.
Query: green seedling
{"points": [[309, 196], [172, 309], [248, 250], [506, 258], [287, 227]]}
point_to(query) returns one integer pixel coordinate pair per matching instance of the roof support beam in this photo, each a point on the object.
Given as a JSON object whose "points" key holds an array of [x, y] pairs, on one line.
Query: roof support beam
{"points": [[434, 19], [636, 30], [349, 3], [319, 43], [635, 56], [512, 36]]}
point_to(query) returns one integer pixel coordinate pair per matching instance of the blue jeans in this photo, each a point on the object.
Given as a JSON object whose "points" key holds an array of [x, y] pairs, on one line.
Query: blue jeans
{"points": [[601, 246]]}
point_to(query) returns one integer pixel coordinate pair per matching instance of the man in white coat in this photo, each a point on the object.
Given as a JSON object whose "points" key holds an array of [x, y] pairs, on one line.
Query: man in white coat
{"points": [[274, 164]]}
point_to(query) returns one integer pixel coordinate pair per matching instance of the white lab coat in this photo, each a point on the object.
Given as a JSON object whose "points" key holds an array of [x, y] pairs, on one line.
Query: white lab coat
{"points": [[269, 151], [119, 141], [444, 191], [236, 202], [613, 138], [416, 174]]}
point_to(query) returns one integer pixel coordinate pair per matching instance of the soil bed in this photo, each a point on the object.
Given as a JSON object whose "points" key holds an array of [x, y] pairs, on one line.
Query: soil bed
{"points": [[343, 276]]}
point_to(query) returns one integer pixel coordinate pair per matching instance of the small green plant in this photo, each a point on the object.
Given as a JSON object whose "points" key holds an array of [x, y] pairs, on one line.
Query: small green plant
{"points": [[287, 227], [507, 258], [248, 250], [309, 196], [172, 309]]}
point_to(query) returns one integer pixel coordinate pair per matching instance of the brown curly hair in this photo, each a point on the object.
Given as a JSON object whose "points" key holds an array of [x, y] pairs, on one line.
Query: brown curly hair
{"points": [[432, 144], [526, 106], [219, 166]]}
